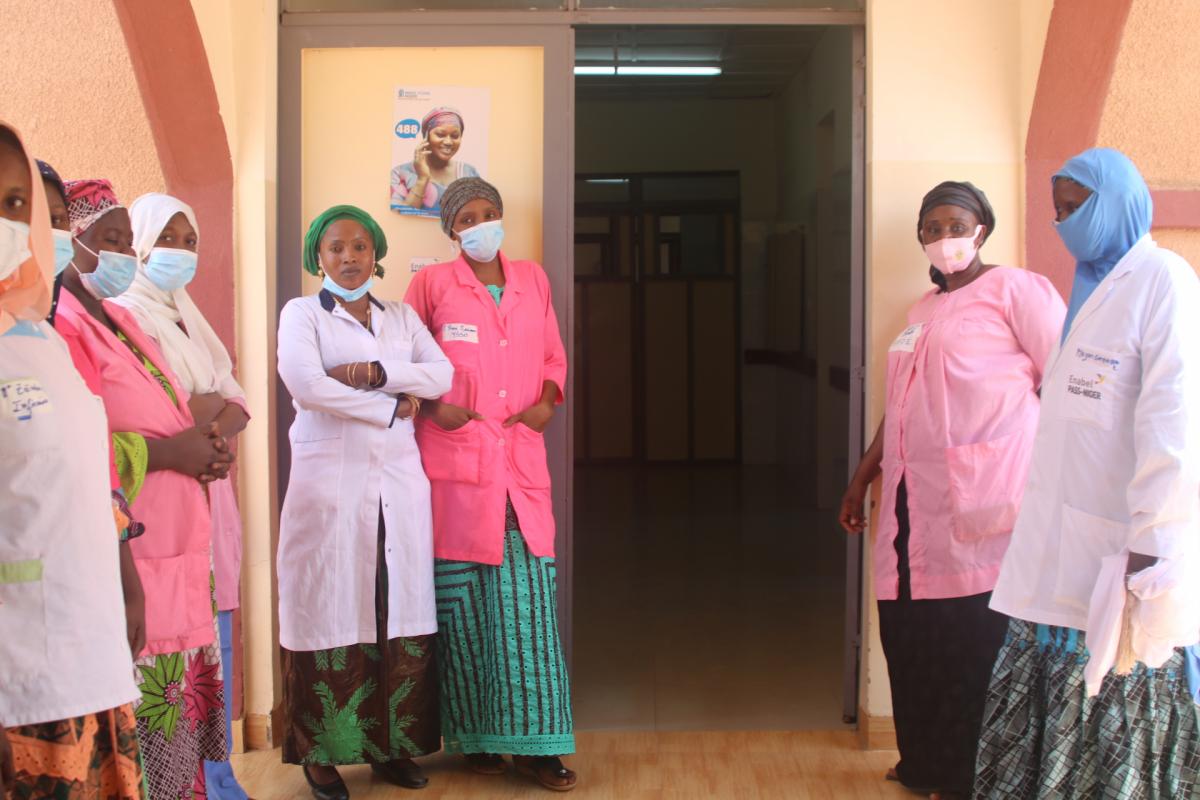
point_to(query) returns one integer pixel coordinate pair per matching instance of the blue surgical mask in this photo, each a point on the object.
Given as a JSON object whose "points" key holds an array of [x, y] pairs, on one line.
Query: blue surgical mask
{"points": [[1084, 232], [64, 250], [349, 295], [113, 274], [170, 268], [482, 242]]}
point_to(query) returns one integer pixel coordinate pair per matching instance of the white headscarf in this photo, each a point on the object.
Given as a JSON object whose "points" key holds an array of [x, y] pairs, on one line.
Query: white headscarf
{"points": [[197, 357]]}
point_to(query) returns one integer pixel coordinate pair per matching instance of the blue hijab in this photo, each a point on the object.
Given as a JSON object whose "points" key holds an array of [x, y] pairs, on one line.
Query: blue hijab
{"points": [[1108, 224]]}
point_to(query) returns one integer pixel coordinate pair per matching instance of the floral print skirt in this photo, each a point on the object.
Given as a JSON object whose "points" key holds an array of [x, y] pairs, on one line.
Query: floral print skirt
{"points": [[93, 757], [180, 720], [365, 703]]}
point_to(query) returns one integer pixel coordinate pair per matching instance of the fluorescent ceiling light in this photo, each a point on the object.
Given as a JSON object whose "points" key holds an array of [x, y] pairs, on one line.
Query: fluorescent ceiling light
{"points": [[665, 70], [606, 180], [647, 71]]}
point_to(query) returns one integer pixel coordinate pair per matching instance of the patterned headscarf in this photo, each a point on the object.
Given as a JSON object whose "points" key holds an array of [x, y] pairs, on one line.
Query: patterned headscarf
{"points": [[87, 201], [463, 191], [439, 115], [312, 239], [25, 295]]}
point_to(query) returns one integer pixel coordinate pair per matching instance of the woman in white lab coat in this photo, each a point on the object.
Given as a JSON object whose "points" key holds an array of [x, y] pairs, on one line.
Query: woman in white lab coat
{"points": [[1089, 696], [355, 563]]}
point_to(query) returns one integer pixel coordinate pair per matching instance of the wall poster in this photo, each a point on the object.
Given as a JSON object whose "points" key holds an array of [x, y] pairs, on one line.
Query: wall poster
{"points": [[440, 134]]}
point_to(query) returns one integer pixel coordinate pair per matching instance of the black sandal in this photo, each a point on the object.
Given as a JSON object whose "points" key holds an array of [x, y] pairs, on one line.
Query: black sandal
{"points": [[334, 790], [548, 771], [403, 772]]}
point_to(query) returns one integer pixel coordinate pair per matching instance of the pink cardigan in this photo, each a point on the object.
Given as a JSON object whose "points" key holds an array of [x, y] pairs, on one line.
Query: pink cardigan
{"points": [[173, 556], [501, 358]]}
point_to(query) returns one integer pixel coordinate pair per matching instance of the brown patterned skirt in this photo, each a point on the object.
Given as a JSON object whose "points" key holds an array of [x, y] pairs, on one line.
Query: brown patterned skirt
{"points": [[364, 703], [93, 757]]}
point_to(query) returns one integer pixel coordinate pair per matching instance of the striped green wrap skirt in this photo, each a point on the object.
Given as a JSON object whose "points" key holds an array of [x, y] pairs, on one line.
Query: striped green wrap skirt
{"points": [[504, 685]]}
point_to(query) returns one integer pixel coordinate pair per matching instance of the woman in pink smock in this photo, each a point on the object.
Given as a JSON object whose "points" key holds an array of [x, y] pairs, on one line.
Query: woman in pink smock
{"points": [[953, 450], [166, 237], [504, 686], [164, 460]]}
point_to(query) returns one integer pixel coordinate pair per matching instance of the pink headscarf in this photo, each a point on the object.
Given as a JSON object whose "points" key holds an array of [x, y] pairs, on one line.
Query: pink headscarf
{"points": [[88, 201], [440, 115]]}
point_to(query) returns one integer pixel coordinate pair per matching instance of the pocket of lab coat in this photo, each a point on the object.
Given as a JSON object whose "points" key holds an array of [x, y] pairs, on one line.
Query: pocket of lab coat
{"points": [[177, 600], [986, 483], [528, 458], [1084, 540], [23, 620], [450, 455], [1090, 386]]}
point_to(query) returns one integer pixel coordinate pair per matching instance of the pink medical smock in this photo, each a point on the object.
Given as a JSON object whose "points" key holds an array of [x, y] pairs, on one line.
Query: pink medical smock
{"points": [[962, 410], [173, 557], [502, 355]]}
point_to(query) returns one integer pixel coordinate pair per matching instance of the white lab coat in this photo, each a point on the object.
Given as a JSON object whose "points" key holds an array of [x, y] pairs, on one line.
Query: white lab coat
{"points": [[63, 648], [349, 455], [1116, 461]]}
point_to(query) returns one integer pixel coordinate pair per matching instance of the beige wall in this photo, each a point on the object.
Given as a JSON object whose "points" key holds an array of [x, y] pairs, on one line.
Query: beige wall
{"points": [[74, 96], [1153, 108], [347, 160], [240, 40], [949, 86]]}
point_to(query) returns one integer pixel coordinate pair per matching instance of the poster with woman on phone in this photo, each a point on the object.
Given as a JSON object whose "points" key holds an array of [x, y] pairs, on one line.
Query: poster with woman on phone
{"points": [[440, 135]]}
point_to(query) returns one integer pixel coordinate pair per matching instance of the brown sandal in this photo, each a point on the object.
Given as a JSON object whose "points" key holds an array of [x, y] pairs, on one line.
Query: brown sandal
{"points": [[548, 771], [486, 763]]}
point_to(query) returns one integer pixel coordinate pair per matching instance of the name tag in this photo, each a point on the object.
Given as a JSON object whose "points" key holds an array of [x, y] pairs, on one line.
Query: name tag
{"points": [[906, 342], [20, 399], [460, 332]]}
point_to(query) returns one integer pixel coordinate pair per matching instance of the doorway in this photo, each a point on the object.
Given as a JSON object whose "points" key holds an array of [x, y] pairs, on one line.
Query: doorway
{"points": [[713, 342]]}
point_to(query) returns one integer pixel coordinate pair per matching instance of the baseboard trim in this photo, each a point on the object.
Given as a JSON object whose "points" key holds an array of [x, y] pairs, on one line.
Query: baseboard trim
{"points": [[875, 733], [257, 732]]}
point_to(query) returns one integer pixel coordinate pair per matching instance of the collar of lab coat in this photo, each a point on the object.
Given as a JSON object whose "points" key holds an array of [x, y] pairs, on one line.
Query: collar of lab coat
{"points": [[512, 284], [1123, 267]]}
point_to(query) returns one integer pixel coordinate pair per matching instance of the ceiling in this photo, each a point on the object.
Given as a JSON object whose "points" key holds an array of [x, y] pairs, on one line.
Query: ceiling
{"points": [[756, 61]]}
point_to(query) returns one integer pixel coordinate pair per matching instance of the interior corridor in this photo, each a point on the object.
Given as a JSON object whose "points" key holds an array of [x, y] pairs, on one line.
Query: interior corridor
{"points": [[706, 598]]}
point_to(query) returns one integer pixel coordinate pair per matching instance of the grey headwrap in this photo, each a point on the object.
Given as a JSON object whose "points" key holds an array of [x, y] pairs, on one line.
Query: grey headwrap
{"points": [[463, 191]]}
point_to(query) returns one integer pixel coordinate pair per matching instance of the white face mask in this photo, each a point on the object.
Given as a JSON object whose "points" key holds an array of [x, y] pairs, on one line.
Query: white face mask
{"points": [[14, 246]]}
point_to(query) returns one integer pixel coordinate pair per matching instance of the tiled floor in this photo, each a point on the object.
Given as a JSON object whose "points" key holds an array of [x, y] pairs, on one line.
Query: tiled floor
{"points": [[705, 599]]}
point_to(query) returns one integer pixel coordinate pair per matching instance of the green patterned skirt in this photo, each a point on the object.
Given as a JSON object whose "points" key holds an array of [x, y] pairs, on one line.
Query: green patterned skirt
{"points": [[365, 703], [504, 685]]}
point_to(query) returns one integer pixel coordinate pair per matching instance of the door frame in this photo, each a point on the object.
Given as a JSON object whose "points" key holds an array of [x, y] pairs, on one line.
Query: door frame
{"points": [[554, 32]]}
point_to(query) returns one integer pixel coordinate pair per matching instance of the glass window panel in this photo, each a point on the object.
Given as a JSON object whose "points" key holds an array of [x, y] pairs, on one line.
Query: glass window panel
{"points": [[591, 225], [690, 187], [589, 258], [428, 5], [702, 251], [625, 245]]}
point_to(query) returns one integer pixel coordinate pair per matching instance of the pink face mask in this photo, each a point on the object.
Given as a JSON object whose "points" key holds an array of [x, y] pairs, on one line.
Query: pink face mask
{"points": [[953, 255]]}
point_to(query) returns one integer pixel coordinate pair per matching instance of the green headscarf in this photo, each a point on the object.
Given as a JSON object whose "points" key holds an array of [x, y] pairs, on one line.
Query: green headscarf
{"points": [[312, 239]]}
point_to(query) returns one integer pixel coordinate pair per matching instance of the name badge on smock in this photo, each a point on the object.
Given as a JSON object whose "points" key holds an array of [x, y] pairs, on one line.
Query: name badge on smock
{"points": [[20, 399], [907, 340], [460, 332]]}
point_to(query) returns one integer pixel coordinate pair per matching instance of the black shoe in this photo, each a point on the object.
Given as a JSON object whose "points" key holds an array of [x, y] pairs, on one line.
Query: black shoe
{"points": [[335, 790], [402, 772]]}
